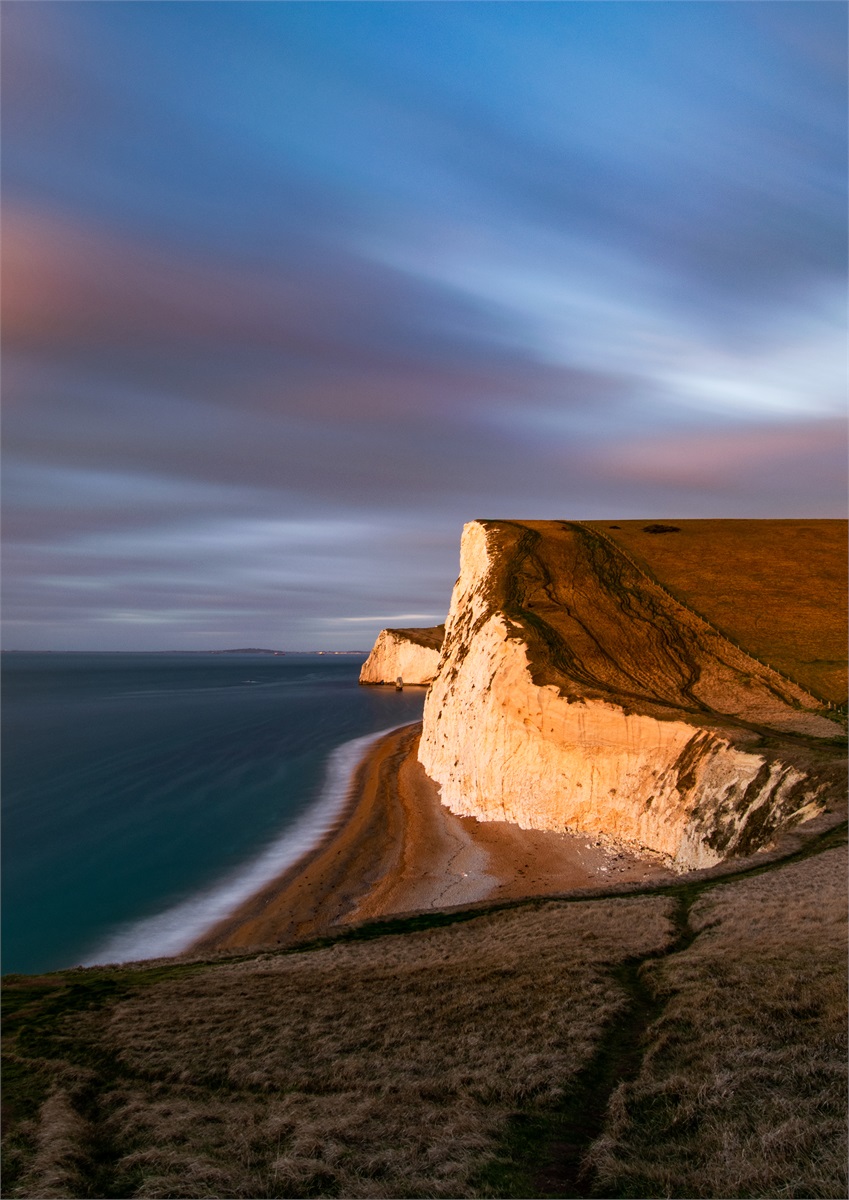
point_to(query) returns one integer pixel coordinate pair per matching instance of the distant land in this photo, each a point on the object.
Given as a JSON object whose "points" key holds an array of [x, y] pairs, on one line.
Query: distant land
{"points": [[245, 650]]}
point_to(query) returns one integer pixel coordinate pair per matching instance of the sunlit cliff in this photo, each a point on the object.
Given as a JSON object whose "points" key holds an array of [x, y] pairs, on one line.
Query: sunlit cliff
{"points": [[574, 692]]}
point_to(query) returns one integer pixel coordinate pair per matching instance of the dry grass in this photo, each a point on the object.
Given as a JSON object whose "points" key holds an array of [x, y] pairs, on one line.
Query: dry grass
{"points": [[61, 1163], [382, 1069], [777, 588], [392, 1067], [431, 636], [743, 1089]]}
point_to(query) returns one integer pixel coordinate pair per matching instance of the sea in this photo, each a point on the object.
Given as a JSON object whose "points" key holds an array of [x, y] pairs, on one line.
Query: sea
{"points": [[146, 795]]}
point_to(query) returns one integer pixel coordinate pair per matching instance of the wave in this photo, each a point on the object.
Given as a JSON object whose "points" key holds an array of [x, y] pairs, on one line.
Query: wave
{"points": [[174, 930]]}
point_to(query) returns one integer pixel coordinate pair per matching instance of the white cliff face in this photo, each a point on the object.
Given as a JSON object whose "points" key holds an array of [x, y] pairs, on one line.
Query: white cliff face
{"points": [[396, 655], [503, 746]]}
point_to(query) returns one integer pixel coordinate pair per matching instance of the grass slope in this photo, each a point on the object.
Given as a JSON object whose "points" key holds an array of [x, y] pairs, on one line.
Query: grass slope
{"points": [[742, 1091], [777, 588], [474, 1057], [598, 625], [431, 637]]}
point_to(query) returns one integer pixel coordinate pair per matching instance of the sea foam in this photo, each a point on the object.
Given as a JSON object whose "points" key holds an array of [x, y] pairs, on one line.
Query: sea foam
{"points": [[174, 930]]}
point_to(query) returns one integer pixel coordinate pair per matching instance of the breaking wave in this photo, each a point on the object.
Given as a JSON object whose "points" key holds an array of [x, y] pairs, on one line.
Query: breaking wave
{"points": [[174, 930]]}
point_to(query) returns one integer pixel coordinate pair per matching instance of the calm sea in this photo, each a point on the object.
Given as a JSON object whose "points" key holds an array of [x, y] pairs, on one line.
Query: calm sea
{"points": [[145, 795]]}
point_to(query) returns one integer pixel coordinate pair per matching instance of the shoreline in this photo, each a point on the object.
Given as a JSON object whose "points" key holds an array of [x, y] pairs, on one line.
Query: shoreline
{"points": [[317, 889], [395, 849], [181, 925]]}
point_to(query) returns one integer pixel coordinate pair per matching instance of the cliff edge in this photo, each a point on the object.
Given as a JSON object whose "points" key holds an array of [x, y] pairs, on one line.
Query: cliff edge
{"points": [[411, 655], [574, 692]]}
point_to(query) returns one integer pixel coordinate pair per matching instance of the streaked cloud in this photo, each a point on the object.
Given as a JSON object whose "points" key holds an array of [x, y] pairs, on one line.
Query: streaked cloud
{"points": [[794, 465], [293, 291]]}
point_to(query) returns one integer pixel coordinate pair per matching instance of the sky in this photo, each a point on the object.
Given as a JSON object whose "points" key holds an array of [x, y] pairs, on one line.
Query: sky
{"points": [[291, 291]]}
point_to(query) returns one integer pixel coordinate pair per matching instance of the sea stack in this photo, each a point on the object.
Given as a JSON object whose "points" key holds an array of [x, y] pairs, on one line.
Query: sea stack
{"points": [[404, 656], [574, 692]]}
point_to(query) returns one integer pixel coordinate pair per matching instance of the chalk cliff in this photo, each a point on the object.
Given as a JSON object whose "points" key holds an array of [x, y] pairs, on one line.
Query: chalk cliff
{"points": [[408, 654], [575, 693]]}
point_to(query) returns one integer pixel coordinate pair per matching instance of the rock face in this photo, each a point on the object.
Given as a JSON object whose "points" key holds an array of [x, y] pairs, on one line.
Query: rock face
{"points": [[408, 654], [574, 693]]}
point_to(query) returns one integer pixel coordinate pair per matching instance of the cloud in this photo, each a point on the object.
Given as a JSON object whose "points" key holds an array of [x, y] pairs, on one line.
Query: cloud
{"points": [[291, 292], [86, 296], [391, 620], [794, 466]]}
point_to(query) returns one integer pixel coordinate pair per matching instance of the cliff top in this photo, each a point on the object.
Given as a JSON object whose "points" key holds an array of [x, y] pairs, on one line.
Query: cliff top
{"points": [[775, 587], [432, 637], [598, 623]]}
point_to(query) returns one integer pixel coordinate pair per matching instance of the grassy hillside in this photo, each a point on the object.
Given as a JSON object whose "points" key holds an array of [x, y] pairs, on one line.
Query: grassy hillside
{"points": [[743, 1089], [685, 1042], [777, 588], [431, 636], [597, 624]]}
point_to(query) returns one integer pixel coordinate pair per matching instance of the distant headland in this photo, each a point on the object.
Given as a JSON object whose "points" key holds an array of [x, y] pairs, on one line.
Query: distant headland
{"points": [[239, 650]]}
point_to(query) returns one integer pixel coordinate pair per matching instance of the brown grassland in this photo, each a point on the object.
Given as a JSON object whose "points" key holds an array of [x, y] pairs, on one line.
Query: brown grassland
{"points": [[777, 588], [689, 1041], [432, 636], [742, 1091], [596, 624]]}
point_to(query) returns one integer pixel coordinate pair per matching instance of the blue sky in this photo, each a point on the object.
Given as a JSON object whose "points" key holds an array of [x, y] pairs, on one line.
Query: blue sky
{"points": [[293, 290]]}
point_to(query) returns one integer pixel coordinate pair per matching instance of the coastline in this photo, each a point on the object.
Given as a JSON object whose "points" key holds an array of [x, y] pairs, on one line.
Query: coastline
{"points": [[396, 849]]}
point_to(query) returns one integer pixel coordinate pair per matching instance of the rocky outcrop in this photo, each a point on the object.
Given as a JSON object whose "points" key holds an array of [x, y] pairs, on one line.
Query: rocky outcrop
{"points": [[575, 693], [411, 655]]}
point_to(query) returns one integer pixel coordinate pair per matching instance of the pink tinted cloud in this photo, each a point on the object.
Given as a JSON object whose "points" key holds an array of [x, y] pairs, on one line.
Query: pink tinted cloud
{"points": [[67, 283], [729, 458], [327, 334]]}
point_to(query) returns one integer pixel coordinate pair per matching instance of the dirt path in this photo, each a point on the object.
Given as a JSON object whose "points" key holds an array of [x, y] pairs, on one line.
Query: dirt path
{"points": [[556, 1143]]}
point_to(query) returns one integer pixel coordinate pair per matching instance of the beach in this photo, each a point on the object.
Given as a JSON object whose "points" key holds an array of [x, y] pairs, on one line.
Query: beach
{"points": [[397, 850]]}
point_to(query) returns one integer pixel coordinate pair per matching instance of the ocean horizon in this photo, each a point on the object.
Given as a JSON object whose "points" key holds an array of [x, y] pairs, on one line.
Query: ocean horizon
{"points": [[147, 794]]}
